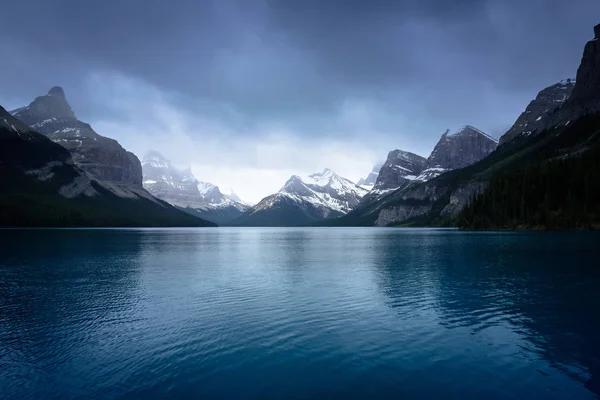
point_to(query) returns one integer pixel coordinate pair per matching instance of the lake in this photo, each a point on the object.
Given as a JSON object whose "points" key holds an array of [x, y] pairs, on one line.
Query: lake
{"points": [[256, 313]]}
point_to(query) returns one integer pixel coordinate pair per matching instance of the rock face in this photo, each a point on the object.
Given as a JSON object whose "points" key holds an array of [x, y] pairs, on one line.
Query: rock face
{"points": [[42, 186], [567, 101], [399, 168], [181, 188], [370, 180], [458, 150], [453, 151], [304, 200], [540, 112], [585, 98], [461, 149], [103, 159]]}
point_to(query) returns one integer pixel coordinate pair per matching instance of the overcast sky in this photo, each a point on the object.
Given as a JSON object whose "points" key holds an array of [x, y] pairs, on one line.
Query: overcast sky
{"points": [[251, 91]]}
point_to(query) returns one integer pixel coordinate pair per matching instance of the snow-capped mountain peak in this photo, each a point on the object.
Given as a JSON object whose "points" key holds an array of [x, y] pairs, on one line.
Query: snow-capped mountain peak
{"points": [[325, 189], [323, 178], [301, 200]]}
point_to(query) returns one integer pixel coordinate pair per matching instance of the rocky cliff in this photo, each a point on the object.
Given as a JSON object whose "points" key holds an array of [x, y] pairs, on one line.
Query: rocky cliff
{"points": [[585, 98], [102, 158], [399, 168], [460, 149]]}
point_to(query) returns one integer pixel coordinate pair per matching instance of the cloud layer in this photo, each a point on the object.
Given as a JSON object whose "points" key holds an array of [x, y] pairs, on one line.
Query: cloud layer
{"points": [[251, 91]]}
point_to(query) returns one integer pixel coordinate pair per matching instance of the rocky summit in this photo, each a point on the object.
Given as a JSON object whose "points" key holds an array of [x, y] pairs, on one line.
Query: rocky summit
{"points": [[399, 168], [461, 149], [102, 158]]}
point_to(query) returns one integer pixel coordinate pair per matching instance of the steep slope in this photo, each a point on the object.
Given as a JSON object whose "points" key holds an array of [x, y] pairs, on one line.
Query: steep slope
{"points": [[181, 189], [103, 159], [42, 186], [302, 201], [540, 111], [574, 132], [559, 193]]}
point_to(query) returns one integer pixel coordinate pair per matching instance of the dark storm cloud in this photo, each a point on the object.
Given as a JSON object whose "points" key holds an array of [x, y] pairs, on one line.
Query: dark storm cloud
{"points": [[421, 65]]}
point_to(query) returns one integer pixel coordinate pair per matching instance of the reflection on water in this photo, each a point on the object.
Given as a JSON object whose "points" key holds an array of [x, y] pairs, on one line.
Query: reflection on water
{"points": [[297, 313]]}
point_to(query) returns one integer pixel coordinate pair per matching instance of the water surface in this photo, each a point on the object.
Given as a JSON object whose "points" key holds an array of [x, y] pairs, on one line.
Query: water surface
{"points": [[298, 313]]}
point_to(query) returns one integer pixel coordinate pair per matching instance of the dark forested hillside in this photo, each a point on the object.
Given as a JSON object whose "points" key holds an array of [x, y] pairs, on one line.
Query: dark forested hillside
{"points": [[557, 193]]}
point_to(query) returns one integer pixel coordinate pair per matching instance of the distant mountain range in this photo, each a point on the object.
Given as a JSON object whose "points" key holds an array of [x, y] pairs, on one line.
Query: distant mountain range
{"points": [[301, 201], [181, 189], [56, 170]]}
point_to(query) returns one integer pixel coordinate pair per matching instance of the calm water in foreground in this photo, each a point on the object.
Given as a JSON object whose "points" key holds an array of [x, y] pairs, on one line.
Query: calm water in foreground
{"points": [[298, 313]]}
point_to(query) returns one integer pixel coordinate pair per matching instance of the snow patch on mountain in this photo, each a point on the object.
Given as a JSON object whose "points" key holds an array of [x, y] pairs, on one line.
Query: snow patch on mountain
{"points": [[324, 191]]}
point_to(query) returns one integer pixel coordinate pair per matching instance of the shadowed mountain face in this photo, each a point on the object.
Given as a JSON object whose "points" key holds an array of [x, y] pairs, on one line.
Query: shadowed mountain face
{"points": [[102, 158], [565, 102], [26, 155], [540, 111]]}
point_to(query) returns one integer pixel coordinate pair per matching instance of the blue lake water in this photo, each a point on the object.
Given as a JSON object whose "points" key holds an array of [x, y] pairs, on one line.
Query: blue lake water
{"points": [[298, 313]]}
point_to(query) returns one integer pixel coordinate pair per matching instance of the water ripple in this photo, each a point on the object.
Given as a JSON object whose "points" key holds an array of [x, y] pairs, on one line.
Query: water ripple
{"points": [[298, 313]]}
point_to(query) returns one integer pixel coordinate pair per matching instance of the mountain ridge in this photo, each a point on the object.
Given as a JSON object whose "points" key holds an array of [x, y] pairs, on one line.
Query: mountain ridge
{"points": [[319, 196]]}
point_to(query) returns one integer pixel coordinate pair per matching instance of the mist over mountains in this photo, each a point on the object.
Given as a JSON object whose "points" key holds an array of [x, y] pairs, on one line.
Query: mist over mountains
{"points": [[95, 174]]}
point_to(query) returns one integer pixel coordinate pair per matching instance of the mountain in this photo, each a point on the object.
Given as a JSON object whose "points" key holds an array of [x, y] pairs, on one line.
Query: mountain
{"points": [[302, 201], [370, 180], [569, 141], [399, 168], [103, 159], [181, 189], [43, 186], [458, 150], [560, 187], [539, 113]]}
